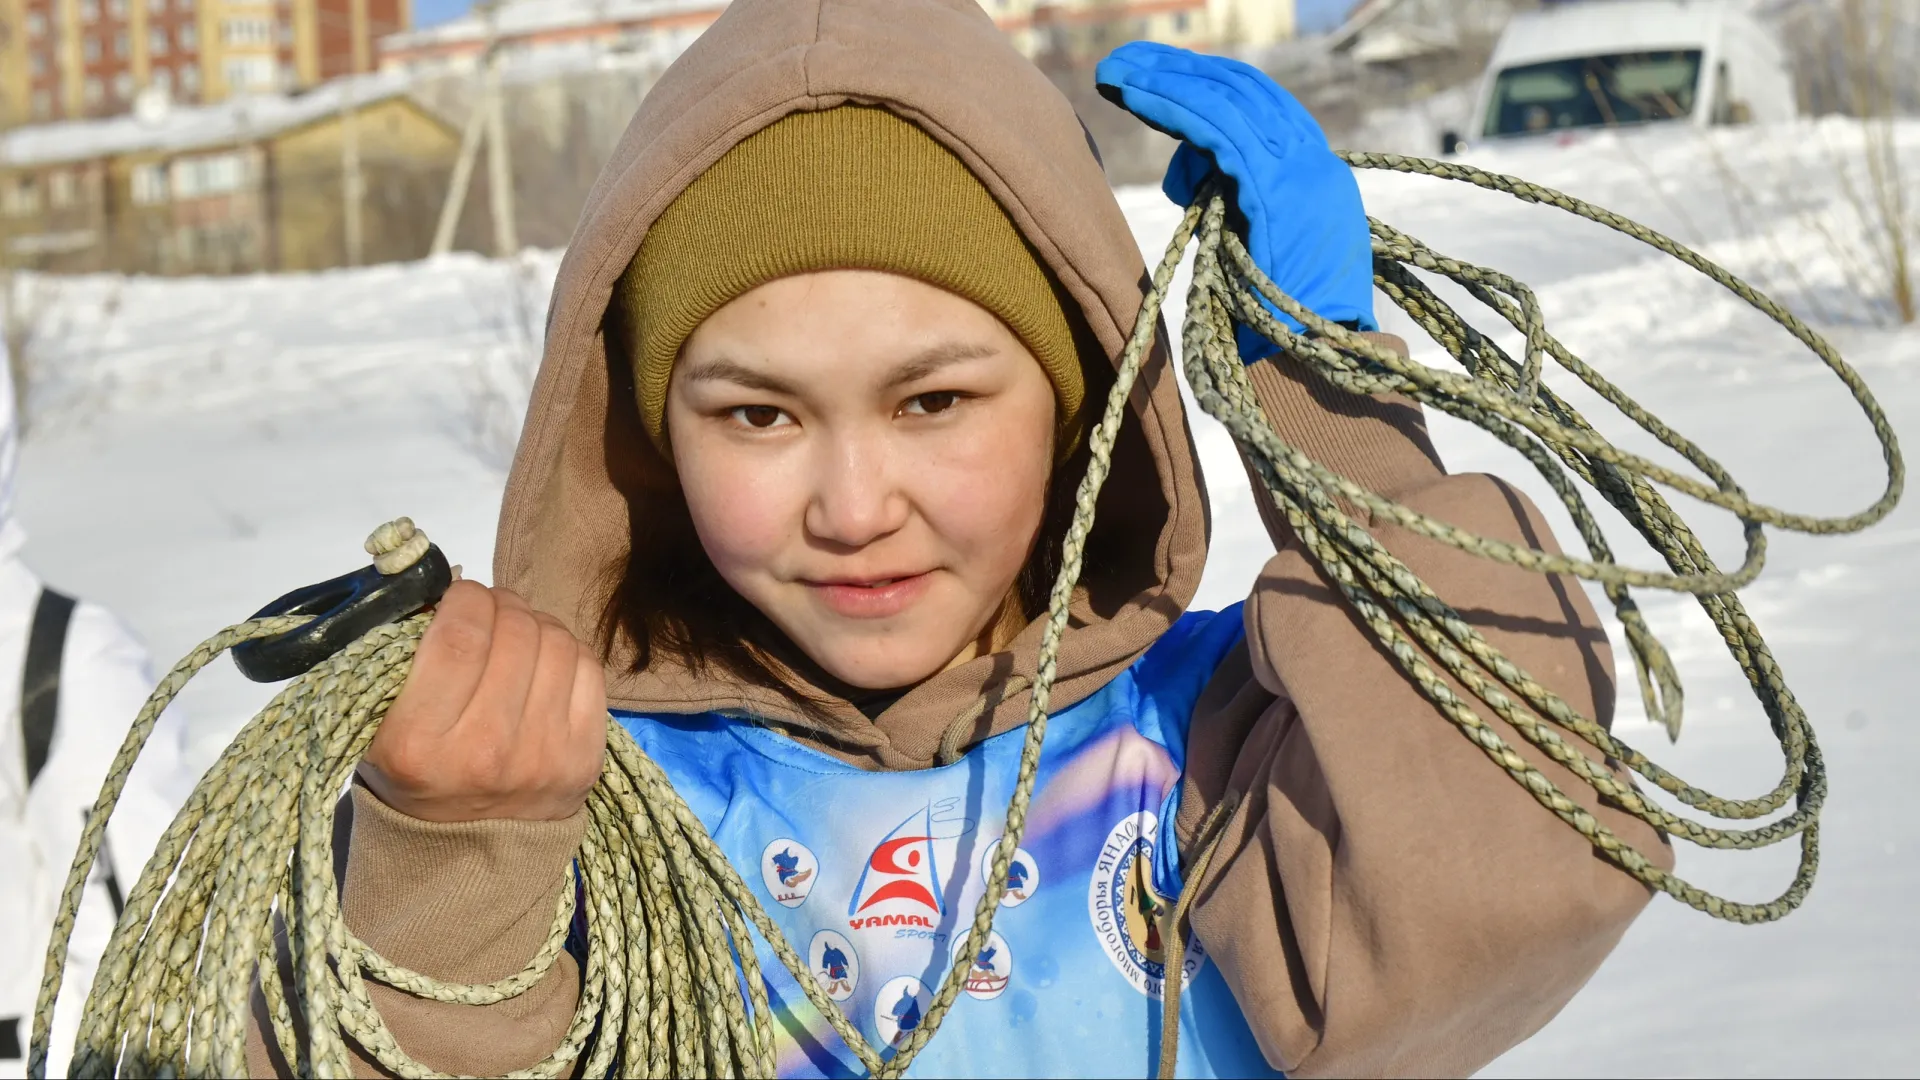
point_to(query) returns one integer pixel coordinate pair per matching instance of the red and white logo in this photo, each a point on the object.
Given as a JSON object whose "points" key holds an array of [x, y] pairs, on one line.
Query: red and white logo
{"points": [[900, 884]]}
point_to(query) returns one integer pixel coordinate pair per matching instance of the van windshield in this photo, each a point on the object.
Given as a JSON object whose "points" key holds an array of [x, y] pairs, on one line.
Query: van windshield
{"points": [[1594, 91]]}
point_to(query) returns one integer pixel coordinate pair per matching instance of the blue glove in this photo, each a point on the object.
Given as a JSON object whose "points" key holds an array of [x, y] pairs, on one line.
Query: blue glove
{"points": [[1306, 227]]}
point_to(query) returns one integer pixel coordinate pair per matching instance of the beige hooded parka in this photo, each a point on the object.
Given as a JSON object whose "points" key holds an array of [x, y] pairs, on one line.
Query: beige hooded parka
{"points": [[1386, 900]]}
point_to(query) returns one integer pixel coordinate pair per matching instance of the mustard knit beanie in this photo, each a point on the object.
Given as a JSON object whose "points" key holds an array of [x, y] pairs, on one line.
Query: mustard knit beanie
{"points": [[849, 188]]}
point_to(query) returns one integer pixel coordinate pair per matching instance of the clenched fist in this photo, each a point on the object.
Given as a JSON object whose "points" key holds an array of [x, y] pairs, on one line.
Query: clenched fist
{"points": [[503, 716]]}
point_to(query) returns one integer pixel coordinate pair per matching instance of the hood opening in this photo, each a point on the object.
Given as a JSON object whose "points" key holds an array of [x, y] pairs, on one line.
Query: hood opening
{"points": [[585, 476], [663, 602]]}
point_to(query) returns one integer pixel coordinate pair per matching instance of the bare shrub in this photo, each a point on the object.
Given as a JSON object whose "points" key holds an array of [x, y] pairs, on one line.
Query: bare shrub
{"points": [[1345, 83], [25, 302], [1750, 215], [500, 383], [1858, 58]]}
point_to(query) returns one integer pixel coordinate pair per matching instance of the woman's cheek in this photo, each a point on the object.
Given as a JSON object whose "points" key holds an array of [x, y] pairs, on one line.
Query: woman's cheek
{"points": [[738, 504], [988, 496]]}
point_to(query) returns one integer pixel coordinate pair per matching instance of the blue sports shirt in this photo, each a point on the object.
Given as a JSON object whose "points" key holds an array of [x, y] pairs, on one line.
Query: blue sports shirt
{"points": [[874, 877]]}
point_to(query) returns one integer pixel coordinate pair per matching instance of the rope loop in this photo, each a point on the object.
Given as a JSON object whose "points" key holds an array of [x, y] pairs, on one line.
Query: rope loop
{"points": [[668, 918]]}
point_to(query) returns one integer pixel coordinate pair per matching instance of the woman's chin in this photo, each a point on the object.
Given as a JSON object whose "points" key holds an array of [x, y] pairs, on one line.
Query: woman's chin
{"points": [[890, 674], [880, 663], [869, 653]]}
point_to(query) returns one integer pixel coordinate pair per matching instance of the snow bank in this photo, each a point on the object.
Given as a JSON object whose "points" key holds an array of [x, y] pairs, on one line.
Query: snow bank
{"points": [[200, 446], [203, 445]]}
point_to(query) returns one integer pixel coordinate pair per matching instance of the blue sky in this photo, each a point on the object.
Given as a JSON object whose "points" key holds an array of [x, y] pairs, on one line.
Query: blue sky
{"points": [[1322, 14], [1314, 14], [428, 12]]}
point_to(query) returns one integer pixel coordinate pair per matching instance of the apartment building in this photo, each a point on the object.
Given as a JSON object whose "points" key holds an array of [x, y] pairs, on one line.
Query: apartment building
{"points": [[79, 59], [1082, 30], [587, 32], [554, 33]]}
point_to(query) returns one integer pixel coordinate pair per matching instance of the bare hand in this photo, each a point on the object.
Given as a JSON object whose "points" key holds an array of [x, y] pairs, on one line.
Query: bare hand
{"points": [[503, 716]]}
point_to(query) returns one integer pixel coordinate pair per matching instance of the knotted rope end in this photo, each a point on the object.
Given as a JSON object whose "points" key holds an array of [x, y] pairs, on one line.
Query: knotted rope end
{"points": [[396, 546]]}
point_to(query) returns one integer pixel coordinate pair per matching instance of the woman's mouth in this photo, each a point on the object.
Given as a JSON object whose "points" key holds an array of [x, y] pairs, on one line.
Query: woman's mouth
{"points": [[873, 598]]}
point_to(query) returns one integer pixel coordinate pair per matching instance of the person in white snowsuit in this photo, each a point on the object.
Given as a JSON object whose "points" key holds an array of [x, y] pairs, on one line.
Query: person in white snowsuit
{"points": [[72, 677]]}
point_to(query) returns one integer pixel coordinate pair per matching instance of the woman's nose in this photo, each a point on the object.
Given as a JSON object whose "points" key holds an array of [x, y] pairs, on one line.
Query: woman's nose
{"points": [[855, 498]]}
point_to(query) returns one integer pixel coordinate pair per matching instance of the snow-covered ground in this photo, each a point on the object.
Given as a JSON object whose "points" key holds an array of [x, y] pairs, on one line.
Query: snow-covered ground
{"points": [[201, 446]]}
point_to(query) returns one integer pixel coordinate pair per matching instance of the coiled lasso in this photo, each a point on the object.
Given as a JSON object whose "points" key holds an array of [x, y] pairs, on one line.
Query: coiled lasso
{"points": [[668, 918]]}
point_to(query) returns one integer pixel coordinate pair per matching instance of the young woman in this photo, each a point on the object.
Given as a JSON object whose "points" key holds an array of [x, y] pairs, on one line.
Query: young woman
{"points": [[790, 495]]}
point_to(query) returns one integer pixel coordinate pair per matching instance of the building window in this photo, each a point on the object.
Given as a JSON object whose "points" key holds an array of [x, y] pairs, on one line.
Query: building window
{"points": [[157, 41], [163, 80], [62, 192], [42, 104], [189, 36], [120, 47], [251, 73], [190, 81], [123, 85], [118, 8], [37, 63], [1180, 22], [94, 91], [208, 174], [247, 31], [89, 11], [149, 184], [91, 49], [36, 24], [20, 198], [157, 7]]}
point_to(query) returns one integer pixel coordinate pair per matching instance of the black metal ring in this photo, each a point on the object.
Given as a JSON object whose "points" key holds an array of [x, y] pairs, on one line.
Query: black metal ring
{"points": [[343, 608]]}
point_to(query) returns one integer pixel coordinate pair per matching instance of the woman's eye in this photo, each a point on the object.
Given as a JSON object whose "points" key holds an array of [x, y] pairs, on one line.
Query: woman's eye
{"points": [[938, 401], [760, 416]]}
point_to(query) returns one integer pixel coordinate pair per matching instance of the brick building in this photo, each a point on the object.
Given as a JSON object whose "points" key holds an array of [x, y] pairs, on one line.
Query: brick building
{"points": [[1088, 29], [563, 32], [77, 59], [556, 33]]}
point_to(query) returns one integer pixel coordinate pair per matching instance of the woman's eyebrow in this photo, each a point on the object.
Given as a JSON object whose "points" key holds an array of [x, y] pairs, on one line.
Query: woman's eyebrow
{"points": [[721, 369], [916, 367], [930, 360]]}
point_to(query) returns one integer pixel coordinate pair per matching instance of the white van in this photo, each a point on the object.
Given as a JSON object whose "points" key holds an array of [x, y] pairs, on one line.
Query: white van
{"points": [[1608, 63]]}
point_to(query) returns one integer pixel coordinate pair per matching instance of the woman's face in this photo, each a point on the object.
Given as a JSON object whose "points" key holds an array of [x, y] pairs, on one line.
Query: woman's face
{"points": [[866, 459]]}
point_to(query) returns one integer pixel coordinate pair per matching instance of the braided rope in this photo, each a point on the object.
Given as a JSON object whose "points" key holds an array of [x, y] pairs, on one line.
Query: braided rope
{"points": [[667, 916]]}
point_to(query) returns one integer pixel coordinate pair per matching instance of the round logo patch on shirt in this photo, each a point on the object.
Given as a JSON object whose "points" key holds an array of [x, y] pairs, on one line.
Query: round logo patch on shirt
{"points": [[992, 967], [834, 963], [789, 870], [1023, 874], [1129, 914], [899, 1008]]}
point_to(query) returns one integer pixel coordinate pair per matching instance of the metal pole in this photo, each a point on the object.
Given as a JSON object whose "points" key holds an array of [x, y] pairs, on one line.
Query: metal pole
{"points": [[353, 185], [477, 122], [506, 239], [462, 175]]}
